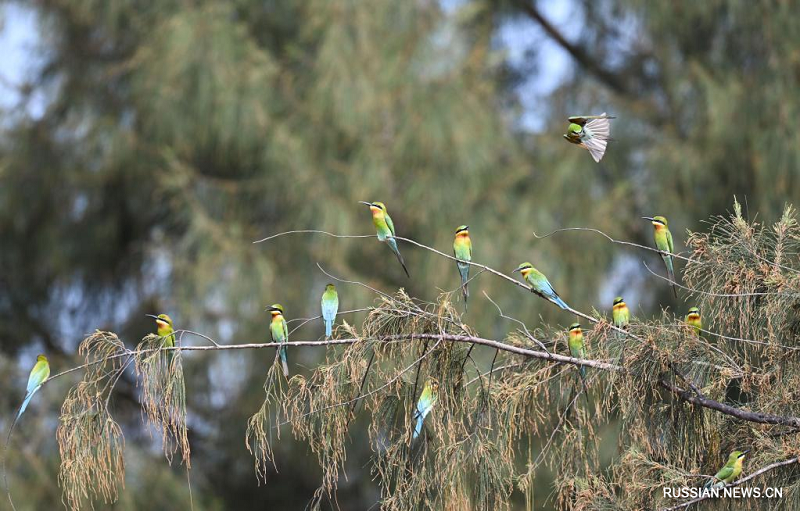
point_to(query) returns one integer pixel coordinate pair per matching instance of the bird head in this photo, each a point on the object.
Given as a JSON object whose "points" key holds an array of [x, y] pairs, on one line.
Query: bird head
{"points": [[162, 320], [574, 129], [657, 221], [463, 230], [694, 314], [524, 269], [378, 208], [737, 455], [575, 329], [41, 358], [276, 309], [330, 287], [619, 301]]}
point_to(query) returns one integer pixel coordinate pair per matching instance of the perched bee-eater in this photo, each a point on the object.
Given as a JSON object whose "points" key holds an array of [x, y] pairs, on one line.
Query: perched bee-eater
{"points": [[693, 319], [576, 347], [39, 373], [539, 284], [462, 249], [620, 313], [729, 472], [280, 333], [663, 240], [385, 227], [591, 132], [330, 306], [164, 329], [426, 401]]}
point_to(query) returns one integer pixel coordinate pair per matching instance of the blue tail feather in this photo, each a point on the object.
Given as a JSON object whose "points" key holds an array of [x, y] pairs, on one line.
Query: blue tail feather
{"points": [[25, 403], [328, 327]]}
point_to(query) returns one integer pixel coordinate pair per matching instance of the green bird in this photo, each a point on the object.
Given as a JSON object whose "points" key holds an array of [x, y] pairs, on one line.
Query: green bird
{"points": [[729, 472], [663, 239], [591, 132], [462, 249], [385, 227], [39, 373], [576, 346], [424, 405], [330, 306], [165, 330], [280, 333], [620, 313], [539, 284], [693, 320]]}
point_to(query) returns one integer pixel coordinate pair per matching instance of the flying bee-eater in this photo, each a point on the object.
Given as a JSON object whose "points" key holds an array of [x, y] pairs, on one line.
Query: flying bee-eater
{"points": [[620, 313], [693, 320], [729, 472], [330, 306], [424, 405], [165, 330], [462, 249], [539, 284], [280, 333], [385, 227], [663, 239], [39, 373], [576, 347], [591, 132]]}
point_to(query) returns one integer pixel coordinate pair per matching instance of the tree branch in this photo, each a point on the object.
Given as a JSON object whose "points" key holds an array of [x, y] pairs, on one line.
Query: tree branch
{"points": [[755, 474], [587, 62]]}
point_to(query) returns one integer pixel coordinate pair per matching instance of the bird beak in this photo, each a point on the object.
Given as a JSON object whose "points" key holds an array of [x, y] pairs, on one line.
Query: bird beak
{"points": [[515, 270], [647, 218], [366, 203], [151, 316], [745, 452]]}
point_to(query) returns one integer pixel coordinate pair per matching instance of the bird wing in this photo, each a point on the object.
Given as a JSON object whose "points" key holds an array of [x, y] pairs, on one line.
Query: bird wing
{"points": [[581, 120], [598, 127], [724, 473], [330, 306], [39, 373], [285, 329], [596, 147], [669, 242], [389, 222]]}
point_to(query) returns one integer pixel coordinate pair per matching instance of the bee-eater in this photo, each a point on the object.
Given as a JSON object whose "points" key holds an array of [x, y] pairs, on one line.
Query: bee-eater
{"points": [[164, 329], [280, 333], [462, 249], [39, 373], [330, 306], [620, 313], [426, 401], [730, 471], [576, 347], [539, 284], [663, 239], [591, 132], [693, 319], [385, 227]]}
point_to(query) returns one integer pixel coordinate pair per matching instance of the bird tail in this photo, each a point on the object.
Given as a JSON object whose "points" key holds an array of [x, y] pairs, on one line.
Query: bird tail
{"points": [[418, 425], [393, 245], [671, 273], [558, 301], [464, 278], [25, 403], [284, 362], [328, 327]]}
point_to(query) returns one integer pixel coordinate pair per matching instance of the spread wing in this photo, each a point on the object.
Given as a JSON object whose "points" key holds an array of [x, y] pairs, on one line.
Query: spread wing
{"points": [[389, 222], [581, 120]]}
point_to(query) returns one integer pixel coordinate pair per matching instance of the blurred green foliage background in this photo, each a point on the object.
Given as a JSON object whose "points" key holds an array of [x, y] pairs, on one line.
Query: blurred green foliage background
{"points": [[150, 143]]}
